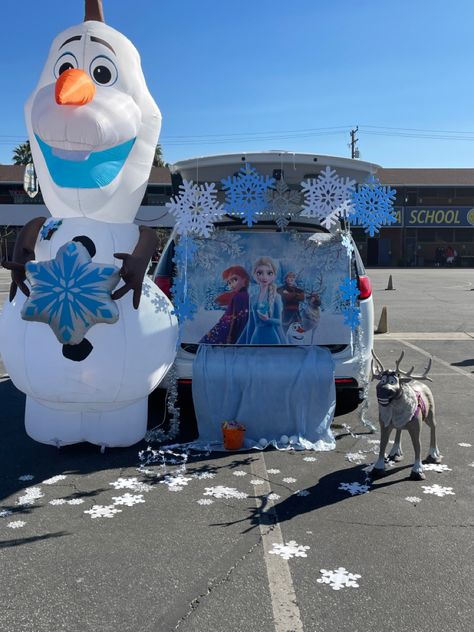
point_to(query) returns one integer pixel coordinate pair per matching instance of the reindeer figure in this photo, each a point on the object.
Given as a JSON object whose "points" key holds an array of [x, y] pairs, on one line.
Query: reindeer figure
{"points": [[404, 402]]}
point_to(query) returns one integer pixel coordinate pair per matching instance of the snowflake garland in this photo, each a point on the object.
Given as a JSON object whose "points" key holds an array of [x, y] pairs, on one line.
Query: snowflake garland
{"points": [[339, 578], [246, 194], [196, 208], [373, 206], [328, 197], [289, 550], [349, 297]]}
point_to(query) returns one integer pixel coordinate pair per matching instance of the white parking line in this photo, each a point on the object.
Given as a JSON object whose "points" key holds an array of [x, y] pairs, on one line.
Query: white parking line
{"points": [[455, 369], [286, 614]]}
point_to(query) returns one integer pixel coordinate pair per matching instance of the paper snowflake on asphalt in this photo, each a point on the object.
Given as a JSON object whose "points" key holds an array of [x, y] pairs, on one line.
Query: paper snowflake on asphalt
{"points": [[128, 499], [465, 445], [289, 550], [471, 464], [436, 467], [57, 501], [373, 206], [26, 477], [239, 473], [103, 511], [273, 496], [283, 203], [131, 483], [257, 481], [71, 293], [438, 490], [310, 459], [32, 494], [246, 194], [327, 197], [354, 488], [54, 479], [355, 457], [224, 492], [204, 475], [205, 501], [339, 578], [16, 524], [175, 483], [413, 499], [75, 501], [289, 479], [196, 208], [273, 470]]}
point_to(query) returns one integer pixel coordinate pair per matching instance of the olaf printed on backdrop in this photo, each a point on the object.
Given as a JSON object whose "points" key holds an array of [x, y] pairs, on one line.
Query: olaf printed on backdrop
{"points": [[88, 344]]}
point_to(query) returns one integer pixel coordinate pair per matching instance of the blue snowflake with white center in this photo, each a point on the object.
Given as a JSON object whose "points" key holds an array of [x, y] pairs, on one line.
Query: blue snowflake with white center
{"points": [[246, 194], [372, 206], [349, 295], [70, 293]]}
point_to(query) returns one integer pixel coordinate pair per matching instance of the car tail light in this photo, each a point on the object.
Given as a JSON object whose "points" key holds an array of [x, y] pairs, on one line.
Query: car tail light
{"points": [[346, 380], [365, 287], [164, 283]]}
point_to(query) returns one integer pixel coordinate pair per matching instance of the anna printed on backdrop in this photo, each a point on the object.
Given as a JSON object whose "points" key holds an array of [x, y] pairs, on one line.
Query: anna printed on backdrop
{"points": [[236, 300]]}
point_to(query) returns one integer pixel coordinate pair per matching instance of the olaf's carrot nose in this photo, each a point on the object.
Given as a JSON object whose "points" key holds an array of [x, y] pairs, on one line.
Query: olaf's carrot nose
{"points": [[74, 87]]}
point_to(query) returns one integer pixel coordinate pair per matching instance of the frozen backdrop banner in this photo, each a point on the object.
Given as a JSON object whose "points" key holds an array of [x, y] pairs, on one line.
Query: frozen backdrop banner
{"points": [[268, 288]]}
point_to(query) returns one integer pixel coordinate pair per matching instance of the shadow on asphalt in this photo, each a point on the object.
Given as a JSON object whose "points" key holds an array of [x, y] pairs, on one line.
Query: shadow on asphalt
{"points": [[463, 363]]}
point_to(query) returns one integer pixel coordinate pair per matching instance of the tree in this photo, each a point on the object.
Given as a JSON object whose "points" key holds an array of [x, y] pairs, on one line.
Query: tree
{"points": [[22, 154], [158, 159]]}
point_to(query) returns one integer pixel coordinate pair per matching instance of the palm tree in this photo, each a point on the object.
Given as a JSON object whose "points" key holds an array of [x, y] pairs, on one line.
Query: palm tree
{"points": [[22, 154], [158, 158]]}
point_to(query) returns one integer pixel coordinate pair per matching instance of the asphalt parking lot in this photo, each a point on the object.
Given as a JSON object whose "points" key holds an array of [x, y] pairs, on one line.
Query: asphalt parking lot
{"points": [[199, 543]]}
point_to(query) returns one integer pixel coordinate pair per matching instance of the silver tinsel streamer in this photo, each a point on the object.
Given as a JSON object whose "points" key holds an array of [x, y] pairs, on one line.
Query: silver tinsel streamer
{"points": [[360, 348], [158, 434]]}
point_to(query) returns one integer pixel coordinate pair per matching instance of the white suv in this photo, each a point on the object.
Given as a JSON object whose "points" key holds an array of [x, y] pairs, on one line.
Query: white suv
{"points": [[352, 361]]}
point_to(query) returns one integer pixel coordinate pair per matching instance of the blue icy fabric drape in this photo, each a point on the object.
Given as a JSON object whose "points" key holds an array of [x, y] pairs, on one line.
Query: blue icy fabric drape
{"points": [[273, 391]]}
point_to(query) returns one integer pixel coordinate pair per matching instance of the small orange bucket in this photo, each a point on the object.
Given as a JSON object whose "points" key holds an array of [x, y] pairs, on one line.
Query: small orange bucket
{"points": [[233, 434]]}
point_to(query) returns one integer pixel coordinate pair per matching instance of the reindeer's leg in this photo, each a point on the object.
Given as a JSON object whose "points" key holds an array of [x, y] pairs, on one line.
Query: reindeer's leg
{"points": [[396, 453], [379, 466], [434, 455], [414, 428]]}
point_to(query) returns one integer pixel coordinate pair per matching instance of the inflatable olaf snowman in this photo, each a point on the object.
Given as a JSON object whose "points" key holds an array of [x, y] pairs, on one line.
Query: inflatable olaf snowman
{"points": [[86, 335]]}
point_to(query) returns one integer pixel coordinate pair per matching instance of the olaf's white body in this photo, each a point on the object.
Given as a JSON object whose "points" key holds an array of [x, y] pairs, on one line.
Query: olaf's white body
{"points": [[103, 398]]}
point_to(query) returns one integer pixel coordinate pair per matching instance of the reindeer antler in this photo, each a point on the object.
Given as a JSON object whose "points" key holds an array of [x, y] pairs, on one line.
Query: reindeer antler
{"points": [[375, 375], [410, 376]]}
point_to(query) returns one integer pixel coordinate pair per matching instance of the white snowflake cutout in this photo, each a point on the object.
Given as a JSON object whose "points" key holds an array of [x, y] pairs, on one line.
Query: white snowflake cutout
{"points": [[339, 578], [240, 473], [128, 499], [26, 477], [175, 483], [289, 550], [310, 459], [219, 491], [57, 501], [273, 496], [289, 479], [257, 481], [205, 501], [204, 475], [465, 445], [413, 499], [328, 197], [355, 457], [436, 467], [438, 490], [196, 208], [75, 501], [273, 470], [16, 524], [103, 511], [354, 488]]}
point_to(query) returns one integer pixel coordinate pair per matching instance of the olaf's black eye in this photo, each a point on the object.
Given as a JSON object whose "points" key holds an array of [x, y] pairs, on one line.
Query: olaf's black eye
{"points": [[103, 71], [65, 62]]}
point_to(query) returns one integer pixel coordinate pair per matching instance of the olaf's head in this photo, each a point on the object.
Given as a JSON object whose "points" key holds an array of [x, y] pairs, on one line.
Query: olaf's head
{"points": [[93, 124]]}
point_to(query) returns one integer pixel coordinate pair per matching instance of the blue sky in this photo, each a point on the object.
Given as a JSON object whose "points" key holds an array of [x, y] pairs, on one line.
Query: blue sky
{"points": [[277, 74]]}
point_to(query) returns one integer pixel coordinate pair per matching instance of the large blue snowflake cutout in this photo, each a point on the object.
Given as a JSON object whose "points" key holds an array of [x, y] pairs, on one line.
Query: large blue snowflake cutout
{"points": [[349, 296], [246, 194], [372, 206], [70, 293]]}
